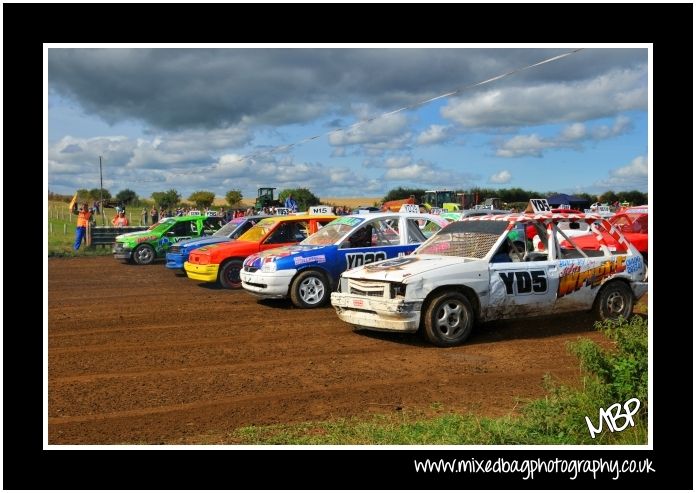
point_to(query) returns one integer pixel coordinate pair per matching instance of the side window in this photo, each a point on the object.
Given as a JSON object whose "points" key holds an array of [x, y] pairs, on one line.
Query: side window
{"points": [[361, 238], [284, 233], [414, 234], [211, 225], [180, 229], [386, 232], [300, 230]]}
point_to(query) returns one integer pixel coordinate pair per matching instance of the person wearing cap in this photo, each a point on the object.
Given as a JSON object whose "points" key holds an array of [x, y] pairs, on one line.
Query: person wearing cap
{"points": [[83, 216], [120, 220]]}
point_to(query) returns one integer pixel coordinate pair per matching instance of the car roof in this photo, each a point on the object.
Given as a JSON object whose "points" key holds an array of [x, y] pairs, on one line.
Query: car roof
{"points": [[281, 219], [534, 217], [379, 215]]}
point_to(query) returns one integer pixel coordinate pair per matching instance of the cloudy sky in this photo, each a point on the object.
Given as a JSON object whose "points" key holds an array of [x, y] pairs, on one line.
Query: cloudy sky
{"points": [[239, 118]]}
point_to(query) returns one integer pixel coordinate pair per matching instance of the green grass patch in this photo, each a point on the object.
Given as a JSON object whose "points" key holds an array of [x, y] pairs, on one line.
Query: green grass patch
{"points": [[610, 376], [61, 231]]}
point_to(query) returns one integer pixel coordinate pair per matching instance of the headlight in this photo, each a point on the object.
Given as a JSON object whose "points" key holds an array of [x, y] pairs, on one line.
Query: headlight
{"points": [[397, 290], [269, 267]]}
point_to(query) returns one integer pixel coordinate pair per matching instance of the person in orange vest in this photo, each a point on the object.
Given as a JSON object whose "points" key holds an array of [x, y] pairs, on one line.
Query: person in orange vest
{"points": [[120, 219], [83, 217]]}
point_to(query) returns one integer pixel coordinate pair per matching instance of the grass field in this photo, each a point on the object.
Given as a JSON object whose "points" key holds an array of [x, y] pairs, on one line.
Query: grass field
{"points": [[61, 223], [61, 230]]}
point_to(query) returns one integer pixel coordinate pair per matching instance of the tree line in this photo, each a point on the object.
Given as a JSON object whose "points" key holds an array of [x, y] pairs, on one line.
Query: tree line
{"points": [[171, 198], [516, 195]]}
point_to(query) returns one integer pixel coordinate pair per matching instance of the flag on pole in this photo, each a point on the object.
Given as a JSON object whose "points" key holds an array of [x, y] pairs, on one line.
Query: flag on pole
{"points": [[72, 202]]}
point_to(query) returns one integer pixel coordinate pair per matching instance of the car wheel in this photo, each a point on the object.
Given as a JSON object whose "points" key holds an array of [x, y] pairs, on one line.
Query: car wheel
{"points": [[229, 274], [449, 319], [144, 255], [613, 301], [310, 289]]}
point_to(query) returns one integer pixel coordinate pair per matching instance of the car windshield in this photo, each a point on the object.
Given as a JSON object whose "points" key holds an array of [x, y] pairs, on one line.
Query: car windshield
{"points": [[470, 239], [227, 229], [333, 232], [259, 231]]}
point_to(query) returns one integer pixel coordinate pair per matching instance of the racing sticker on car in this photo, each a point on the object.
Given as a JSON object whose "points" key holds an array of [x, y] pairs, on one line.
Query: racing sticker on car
{"points": [[319, 259], [573, 277], [362, 258], [350, 221], [523, 282]]}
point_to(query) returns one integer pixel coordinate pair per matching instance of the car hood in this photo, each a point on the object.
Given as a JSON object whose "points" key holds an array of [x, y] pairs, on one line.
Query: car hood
{"points": [[138, 234], [287, 251], [401, 269]]}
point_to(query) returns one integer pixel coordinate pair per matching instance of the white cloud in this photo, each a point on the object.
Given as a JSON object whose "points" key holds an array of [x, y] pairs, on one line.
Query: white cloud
{"points": [[523, 145], [570, 137], [434, 134], [631, 176], [602, 96], [374, 137], [501, 177]]}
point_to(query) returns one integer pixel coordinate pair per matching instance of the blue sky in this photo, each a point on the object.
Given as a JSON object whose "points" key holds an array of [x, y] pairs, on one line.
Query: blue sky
{"points": [[210, 118]]}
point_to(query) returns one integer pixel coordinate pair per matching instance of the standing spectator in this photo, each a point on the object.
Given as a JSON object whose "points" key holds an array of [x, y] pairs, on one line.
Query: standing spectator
{"points": [[83, 217], [143, 216], [153, 214], [120, 220], [291, 204], [96, 207]]}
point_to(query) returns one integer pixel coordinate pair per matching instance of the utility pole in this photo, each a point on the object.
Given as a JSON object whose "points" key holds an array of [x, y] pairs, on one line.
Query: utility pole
{"points": [[101, 191]]}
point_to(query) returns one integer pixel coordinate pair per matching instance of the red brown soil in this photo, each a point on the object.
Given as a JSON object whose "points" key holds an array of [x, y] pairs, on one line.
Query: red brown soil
{"points": [[141, 354]]}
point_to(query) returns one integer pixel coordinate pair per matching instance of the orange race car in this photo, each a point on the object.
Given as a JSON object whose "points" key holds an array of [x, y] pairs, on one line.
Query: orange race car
{"points": [[222, 262]]}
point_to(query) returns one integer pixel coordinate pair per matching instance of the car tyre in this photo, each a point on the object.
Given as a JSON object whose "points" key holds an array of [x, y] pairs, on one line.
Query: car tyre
{"points": [[613, 301], [449, 319], [144, 255], [229, 274], [310, 289]]}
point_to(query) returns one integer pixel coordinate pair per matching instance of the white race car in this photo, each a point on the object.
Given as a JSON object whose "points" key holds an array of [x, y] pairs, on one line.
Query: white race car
{"points": [[471, 271]]}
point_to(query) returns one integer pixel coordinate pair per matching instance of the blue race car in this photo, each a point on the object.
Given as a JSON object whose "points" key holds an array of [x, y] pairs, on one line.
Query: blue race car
{"points": [[179, 252], [309, 271]]}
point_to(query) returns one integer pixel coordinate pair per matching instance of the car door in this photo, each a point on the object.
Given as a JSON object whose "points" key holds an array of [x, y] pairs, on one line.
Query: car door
{"points": [[372, 241], [285, 233], [524, 286]]}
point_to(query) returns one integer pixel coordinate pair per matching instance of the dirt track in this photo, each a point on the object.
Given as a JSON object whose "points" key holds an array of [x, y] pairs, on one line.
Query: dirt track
{"points": [[187, 363]]}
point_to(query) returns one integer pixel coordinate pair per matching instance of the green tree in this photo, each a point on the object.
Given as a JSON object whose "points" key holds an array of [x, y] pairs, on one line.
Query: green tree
{"points": [[83, 194], [94, 194], [127, 196], [168, 199], [202, 198], [634, 197], [233, 197], [608, 196], [404, 193], [304, 198]]}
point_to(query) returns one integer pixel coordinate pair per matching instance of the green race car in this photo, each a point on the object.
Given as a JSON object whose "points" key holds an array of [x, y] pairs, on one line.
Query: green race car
{"points": [[143, 247]]}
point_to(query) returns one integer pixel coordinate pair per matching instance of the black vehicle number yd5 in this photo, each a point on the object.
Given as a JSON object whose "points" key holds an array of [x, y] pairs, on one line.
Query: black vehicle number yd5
{"points": [[524, 282]]}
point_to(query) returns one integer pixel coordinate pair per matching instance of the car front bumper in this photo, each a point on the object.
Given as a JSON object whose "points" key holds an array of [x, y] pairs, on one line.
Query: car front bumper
{"points": [[202, 272], [176, 260], [392, 315], [268, 284], [122, 252]]}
